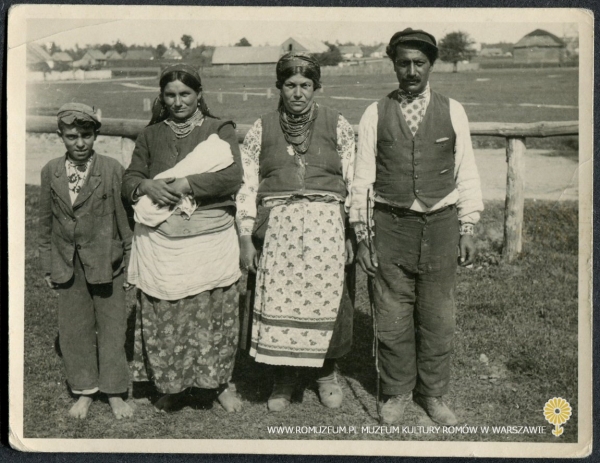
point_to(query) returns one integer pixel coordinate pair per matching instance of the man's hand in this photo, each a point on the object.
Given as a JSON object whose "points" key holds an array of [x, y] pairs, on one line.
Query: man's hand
{"points": [[160, 191], [467, 250], [350, 250], [49, 282], [367, 262], [248, 254]]}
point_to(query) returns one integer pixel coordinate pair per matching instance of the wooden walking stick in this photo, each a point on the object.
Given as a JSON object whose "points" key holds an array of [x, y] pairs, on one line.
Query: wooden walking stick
{"points": [[372, 300]]}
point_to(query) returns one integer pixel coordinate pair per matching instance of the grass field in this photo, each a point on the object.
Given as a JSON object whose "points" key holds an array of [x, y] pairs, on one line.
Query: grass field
{"points": [[522, 317], [488, 96]]}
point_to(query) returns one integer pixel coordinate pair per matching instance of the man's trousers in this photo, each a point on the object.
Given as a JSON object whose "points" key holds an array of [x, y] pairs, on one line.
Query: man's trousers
{"points": [[414, 298]]}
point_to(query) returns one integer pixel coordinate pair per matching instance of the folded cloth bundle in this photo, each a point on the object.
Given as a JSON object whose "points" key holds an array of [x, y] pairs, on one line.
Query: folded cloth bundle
{"points": [[211, 155]]}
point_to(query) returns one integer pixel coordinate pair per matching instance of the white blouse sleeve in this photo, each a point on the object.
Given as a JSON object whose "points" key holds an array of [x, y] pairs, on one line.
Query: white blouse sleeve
{"points": [[246, 197], [347, 151]]}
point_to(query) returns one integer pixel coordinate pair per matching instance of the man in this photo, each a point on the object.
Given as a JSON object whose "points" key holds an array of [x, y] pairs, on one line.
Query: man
{"points": [[415, 158]]}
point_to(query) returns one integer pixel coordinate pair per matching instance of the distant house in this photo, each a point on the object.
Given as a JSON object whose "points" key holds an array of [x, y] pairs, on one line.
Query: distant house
{"points": [[349, 52], [38, 59], [491, 52], [63, 58], [92, 58], [305, 44], [379, 52], [171, 53], [226, 56], [539, 47], [113, 55], [140, 54]]}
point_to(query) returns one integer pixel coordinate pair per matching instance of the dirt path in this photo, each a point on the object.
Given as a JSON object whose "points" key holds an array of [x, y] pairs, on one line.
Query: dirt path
{"points": [[552, 178]]}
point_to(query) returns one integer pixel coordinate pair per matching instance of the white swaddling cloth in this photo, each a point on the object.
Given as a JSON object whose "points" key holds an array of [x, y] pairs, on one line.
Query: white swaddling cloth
{"points": [[211, 155]]}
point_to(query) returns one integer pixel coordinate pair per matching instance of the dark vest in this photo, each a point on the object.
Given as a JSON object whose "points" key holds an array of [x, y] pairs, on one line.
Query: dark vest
{"points": [[282, 173], [415, 167]]}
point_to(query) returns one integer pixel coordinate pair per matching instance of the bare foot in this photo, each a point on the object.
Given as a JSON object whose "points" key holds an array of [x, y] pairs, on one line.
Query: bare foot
{"points": [[81, 407], [120, 408], [230, 401]]}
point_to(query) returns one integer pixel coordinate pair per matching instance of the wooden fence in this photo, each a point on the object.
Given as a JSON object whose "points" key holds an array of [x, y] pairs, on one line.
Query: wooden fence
{"points": [[514, 133]]}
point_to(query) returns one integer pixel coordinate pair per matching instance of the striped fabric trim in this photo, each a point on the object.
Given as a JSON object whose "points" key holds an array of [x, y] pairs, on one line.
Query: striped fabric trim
{"points": [[287, 323]]}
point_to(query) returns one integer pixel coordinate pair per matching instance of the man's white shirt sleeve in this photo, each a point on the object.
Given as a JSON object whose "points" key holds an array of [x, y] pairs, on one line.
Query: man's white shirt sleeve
{"points": [[466, 196]]}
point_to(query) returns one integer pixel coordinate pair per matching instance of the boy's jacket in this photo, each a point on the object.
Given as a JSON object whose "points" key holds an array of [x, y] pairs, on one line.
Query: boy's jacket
{"points": [[96, 225]]}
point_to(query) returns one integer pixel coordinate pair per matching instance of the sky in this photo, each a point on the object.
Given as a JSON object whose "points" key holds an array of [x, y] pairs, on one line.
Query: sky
{"points": [[222, 26]]}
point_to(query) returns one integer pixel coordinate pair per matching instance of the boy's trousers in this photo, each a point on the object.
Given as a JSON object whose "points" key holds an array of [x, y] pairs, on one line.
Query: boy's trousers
{"points": [[92, 321], [414, 298]]}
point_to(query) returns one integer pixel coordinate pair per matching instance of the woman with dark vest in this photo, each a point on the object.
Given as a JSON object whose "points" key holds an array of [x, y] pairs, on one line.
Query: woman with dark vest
{"points": [[298, 165], [415, 158], [185, 268]]}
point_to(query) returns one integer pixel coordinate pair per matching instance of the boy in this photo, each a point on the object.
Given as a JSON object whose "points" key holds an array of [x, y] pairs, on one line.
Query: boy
{"points": [[84, 243]]}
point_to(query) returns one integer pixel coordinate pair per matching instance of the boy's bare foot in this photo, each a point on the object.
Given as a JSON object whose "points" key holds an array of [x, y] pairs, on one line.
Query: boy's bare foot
{"points": [[230, 400], [120, 408], [81, 407]]}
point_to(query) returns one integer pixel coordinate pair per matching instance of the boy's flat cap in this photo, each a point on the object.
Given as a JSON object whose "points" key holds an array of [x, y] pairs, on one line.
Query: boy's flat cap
{"points": [[71, 112]]}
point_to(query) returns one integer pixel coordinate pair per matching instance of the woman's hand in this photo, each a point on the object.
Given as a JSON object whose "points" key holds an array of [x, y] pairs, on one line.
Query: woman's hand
{"points": [[160, 191], [350, 250], [367, 262], [248, 254]]}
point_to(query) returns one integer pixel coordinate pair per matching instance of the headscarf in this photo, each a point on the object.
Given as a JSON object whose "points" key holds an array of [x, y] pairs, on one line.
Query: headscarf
{"points": [[300, 63], [297, 128], [160, 113]]}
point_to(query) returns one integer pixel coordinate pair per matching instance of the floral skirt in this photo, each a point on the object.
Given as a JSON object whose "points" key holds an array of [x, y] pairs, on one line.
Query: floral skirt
{"points": [[299, 284], [189, 342]]}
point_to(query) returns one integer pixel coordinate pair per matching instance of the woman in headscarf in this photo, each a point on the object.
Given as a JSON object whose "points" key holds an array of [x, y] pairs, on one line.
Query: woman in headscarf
{"points": [[298, 165], [185, 268]]}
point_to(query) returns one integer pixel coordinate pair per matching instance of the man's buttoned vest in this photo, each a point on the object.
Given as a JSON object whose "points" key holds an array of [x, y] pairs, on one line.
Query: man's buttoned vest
{"points": [[415, 167]]}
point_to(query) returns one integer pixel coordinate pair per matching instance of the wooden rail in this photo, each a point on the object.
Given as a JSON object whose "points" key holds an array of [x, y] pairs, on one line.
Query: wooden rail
{"points": [[514, 133]]}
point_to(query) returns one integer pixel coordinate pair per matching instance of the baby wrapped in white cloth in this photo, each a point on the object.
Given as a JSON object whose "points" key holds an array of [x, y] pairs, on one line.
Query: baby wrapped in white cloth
{"points": [[211, 155]]}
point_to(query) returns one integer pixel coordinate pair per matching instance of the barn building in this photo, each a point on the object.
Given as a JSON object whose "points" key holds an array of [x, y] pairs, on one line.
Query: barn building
{"points": [[245, 61], [539, 47], [305, 44]]}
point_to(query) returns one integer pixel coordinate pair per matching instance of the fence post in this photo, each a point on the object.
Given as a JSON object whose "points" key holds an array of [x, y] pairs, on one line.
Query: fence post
{"points": [[147, 105], [220, 97], [269, 93], [515, 199], [127, 147], [244, 96]]}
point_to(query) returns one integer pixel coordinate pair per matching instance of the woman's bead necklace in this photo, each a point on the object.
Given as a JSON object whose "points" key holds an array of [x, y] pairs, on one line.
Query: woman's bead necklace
{"points": [[183, 129]]}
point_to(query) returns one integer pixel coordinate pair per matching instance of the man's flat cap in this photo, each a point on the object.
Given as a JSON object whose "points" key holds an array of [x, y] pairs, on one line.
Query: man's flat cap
{"points": [[413, 35]]}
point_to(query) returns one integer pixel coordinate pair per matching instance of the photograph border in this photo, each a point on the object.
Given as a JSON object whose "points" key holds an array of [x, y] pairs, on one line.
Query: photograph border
{"points": [[16, 115]]}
